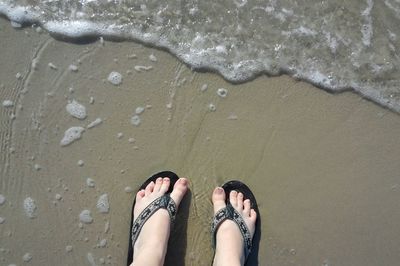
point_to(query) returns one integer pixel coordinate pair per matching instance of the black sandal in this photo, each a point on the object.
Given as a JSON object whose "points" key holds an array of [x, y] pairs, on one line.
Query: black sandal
{"points": [[164, 201], [230, 213]]}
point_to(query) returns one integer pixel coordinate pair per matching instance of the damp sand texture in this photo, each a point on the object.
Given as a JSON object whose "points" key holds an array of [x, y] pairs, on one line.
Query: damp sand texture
{"points": [[324, 167]]}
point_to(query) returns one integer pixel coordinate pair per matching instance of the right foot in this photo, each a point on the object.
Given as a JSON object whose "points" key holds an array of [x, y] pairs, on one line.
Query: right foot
{"points": [[151, 245], [230, 243]]}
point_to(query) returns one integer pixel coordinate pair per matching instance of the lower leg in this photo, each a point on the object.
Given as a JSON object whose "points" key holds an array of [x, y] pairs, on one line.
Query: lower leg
{"points": [[229, 249], [150, 247]]}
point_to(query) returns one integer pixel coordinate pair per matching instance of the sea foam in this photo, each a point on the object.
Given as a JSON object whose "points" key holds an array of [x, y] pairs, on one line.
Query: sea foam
{"points": [[338, 47]]}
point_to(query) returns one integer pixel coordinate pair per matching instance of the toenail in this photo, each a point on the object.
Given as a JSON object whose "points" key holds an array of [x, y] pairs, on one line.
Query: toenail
{"points": [[219, 190]]}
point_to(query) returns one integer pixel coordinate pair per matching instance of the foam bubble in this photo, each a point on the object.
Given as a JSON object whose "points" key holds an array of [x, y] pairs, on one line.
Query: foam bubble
{"points": [[139, 110], [68, 248], [72, 134], [212, 107], [30, 207], [73, 68], [115, 78], [222, 92], [8, 103], [103, 205], [102, 243], [90, 259], [128, 189], [52, 66], [96, 122], [135, 120], [76, 109], [153, 58], [2, 220], [27, 257], [85, 217], [140, 68], [90, 182], [2, 199]]}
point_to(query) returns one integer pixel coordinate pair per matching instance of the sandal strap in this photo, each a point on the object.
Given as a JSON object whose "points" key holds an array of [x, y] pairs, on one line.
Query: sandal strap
{"points": [[165, 202], [231, 214]]}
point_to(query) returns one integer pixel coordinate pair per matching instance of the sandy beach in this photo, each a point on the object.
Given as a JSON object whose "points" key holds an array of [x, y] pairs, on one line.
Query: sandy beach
{"points": [[324, 167]]}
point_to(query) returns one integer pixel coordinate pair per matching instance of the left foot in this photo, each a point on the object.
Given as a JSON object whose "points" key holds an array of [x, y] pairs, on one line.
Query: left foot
{"points": [[151, 246]]}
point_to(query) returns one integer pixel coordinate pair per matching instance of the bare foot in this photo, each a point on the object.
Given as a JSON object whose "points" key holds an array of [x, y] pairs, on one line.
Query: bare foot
{"points": [[151, 246], [230, 244]]}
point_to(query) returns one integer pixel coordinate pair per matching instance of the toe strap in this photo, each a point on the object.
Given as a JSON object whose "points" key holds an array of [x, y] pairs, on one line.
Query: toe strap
{"points": [[165, 202], [230, 213]]}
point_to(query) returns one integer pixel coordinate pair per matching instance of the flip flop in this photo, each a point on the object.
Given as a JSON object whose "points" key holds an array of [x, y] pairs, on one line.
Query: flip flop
{"points": [[230, 213], [164, 201]]}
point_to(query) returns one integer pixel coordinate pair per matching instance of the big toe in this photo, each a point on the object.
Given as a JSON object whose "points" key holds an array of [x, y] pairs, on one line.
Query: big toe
{"points": [[180, 188], [218, 199]]}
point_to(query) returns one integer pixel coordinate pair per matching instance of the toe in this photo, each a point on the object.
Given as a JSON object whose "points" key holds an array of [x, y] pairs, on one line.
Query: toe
{"points": [[149, 188], [158, 184], [218, 199], [140, 194], [179, 190], [233, 198], [246, 207], [240, 201], [253, 215], [165, 185]]}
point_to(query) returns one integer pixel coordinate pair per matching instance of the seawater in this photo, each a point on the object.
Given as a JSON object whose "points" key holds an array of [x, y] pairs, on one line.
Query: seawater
{"points": [[336, 45]]}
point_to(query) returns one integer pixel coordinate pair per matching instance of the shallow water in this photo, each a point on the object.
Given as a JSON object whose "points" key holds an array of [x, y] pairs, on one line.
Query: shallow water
{"points": [[337, 45], [324, 168]]}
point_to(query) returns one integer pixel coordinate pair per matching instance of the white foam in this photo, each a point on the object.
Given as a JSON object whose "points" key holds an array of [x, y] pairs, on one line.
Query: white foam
{"points": [[96, 122], [90, 182], [139, 68], [139, 110], [102, 243], [106, 227], [73, 68], [58, 197], [128, 189], [85, 217], [2, 199], [153, 58], [52, 66], [115, 78], [2, 220], [72, 134], [135, 120], [68, 248], [222, 92], [212, 107], [37, 167], [30, 207], [80, 163], [76, 110], [8, 103], [27, 257], [103, 205], [90, 259], [232, 51], [366, 28]]}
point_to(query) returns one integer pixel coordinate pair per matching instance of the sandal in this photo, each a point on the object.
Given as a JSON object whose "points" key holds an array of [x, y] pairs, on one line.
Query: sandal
{"points": [[230, 213], [164, 201]]}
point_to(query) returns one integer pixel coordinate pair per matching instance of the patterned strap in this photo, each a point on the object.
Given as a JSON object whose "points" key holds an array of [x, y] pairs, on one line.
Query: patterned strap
{"points": [[165, 202], [231, 214]]}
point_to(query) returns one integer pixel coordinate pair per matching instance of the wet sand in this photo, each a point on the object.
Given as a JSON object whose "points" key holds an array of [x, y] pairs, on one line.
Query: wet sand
{"points": [[324, 167]]}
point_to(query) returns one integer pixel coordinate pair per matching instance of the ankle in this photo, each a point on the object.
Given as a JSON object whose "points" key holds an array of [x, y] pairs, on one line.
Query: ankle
{"points": [[149, 253]]}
